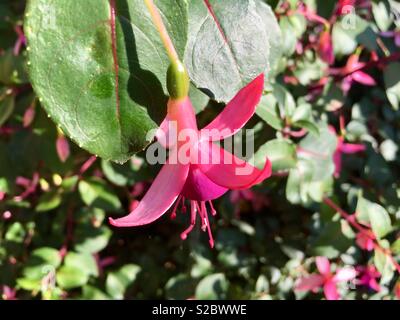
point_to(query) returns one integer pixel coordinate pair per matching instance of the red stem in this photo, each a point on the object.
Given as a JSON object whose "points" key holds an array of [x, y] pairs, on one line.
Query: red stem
{"points": [[362, 230]]}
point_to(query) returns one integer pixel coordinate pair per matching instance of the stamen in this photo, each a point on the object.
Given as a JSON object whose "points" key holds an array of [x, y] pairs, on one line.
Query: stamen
{"points": [[207, 224], [203, 215], [201, 209], [183, 207], [185, 233], [173, 214], [213, 211]]}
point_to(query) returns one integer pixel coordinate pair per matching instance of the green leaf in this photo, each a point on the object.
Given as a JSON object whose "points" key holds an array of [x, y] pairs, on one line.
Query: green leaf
{"points": [[346, 37], [73, 71], [376, 215], [382, 14], [71, 277], [395, 247], [6, 107], [118, 282], [319, 149], [96, 193], [268, 110], [41, 262], [93, 293], [90, 239], [180, 287], [12, 68], [15, 232], [230, 44], [383, 265], [49, 201], [380, 220], [392, 82], [282, 154], [212, 287], [85, 262]]}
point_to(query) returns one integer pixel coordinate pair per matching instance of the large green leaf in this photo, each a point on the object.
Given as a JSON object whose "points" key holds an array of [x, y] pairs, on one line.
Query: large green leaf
{"points": [[73, 71], [230, 43]]}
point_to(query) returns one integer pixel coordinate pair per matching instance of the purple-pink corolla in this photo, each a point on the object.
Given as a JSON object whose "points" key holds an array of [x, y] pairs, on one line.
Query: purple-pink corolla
{"points": [[367, 277], [326, 279], [343, 148], [352, 72], [207, 171]]}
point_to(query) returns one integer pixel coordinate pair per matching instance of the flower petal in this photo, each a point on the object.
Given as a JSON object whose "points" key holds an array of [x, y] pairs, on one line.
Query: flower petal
{"points": [[330, 291], [323, 265], [237, 112], [350, 148], [311, 282], [345, 274], [163, 134], [159, 198], [363, 78], [227, 170]]}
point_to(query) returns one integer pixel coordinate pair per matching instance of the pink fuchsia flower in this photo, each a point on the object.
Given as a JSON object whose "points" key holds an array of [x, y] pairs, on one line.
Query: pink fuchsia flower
{"points": [[29, 115], [366, 240], [202, 181], [325, 46], [326, 279], [8, 293], [397, 290], [343, 6], [393, 34], [351, 73], [367, 277], [62, 147], [343, 148], [29, 186]]}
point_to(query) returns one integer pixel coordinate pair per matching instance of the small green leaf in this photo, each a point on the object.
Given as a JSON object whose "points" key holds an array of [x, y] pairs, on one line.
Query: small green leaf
{"points": [[71, 277], [282, 154], [85, 262], [376, 215], [96, 193], [118, 282], [6, 108], [212, 287], [49, 201]]}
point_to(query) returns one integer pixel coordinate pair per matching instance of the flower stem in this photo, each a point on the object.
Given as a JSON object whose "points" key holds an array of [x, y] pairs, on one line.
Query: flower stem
{"points": [[362, 230], [159, 24]]}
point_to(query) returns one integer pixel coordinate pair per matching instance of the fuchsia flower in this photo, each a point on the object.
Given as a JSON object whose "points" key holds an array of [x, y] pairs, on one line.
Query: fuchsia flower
{"points": [[365, 240], [28, 185], [9, 293], [393, 34], [397, 290], [368, 276], [325, 47], [351, 73], [204, 180], [326, 279], [343, 148], [62, 147], [29, 115], [342, 5]]}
